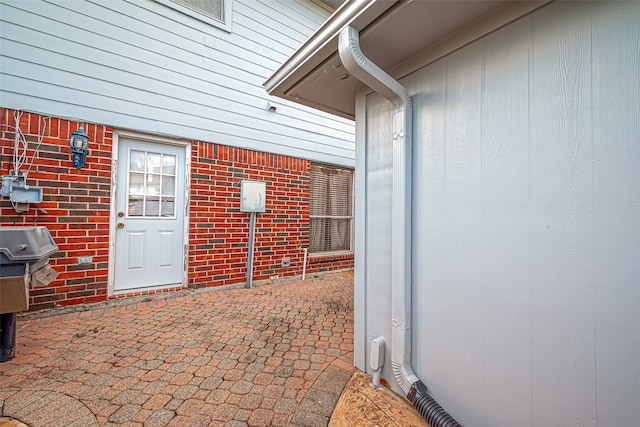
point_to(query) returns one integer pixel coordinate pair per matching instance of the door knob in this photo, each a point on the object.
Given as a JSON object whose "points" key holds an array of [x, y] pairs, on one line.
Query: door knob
{"points": [[121, 225]]}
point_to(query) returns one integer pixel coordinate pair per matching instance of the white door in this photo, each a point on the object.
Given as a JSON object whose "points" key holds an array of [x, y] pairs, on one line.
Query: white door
{"points": [[149, 216]]}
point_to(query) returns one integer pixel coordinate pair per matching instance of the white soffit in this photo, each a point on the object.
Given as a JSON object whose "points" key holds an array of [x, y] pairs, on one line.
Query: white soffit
{"points": [[398, 36]]}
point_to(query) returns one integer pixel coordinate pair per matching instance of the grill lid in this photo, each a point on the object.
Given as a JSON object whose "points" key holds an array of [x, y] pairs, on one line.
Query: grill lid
{"points": [[25, 244]]}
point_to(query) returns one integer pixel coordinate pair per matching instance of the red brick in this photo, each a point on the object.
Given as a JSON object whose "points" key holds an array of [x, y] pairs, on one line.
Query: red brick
{"points": [[217, 230]]}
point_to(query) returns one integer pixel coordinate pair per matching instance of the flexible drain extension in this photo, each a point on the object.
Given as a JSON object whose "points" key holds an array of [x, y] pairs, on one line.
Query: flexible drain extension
{"points": [[428, 408]]}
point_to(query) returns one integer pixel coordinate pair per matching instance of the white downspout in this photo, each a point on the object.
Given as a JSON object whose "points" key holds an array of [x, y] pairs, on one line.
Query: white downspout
{"points": [[370, 74]]}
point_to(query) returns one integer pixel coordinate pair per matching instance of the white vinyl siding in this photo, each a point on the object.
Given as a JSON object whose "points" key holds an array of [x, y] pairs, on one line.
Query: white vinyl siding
{"points": [[331, 209], [144, 66]]}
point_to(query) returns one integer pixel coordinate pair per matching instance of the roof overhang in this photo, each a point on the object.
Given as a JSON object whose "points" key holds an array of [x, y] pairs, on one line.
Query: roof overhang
{"points": [[399, 36]]}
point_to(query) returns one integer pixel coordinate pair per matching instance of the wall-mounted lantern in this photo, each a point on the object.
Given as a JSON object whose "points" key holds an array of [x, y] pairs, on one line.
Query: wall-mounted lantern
{"points": [[79, 144]]}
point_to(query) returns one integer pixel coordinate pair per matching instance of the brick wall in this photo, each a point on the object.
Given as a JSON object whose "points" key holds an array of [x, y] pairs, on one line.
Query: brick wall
{"points": [[77, 202], [75, 205]]}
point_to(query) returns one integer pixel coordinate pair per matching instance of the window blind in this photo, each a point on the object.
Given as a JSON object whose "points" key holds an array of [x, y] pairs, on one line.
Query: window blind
{"points": [[331, 209], [214, 9]]}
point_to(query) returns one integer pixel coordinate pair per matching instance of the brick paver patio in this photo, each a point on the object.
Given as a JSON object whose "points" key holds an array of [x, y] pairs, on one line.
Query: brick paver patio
{"points": [[278, 354]]}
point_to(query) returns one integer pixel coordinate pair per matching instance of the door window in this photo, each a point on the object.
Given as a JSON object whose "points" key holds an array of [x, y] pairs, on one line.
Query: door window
{"points": [[151, 190]]}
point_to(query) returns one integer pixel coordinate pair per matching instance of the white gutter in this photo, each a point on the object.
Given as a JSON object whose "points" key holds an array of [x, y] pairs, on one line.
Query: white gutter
{"points": [[321, 44], [370, 74]]}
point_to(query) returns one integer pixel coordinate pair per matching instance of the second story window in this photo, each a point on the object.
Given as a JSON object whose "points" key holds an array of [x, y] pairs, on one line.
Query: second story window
{"points": [[214, 12], [214, 9]]}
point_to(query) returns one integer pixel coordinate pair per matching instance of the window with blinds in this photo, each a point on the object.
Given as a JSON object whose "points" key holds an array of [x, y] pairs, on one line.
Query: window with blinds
{"points": [[331, 210], [214, 9], [213, 12]]}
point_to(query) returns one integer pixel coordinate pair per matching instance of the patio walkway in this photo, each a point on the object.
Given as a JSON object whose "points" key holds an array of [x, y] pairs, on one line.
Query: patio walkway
{"points": [[278, 354]]}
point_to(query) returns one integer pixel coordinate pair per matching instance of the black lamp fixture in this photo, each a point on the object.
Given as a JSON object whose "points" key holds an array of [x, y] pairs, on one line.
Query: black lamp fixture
{"points": [[79, 145]]}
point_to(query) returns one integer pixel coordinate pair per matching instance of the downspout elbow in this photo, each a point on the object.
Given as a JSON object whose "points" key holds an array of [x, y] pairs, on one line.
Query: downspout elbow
{"points": [[369, 73]]}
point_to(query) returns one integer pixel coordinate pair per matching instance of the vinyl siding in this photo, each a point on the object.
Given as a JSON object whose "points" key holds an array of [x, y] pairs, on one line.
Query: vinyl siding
{"points": [[144, 66]]}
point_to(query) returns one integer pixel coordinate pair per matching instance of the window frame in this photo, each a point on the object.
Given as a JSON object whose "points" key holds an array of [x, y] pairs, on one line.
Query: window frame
{"points": [[351, 218], [227, 7]]}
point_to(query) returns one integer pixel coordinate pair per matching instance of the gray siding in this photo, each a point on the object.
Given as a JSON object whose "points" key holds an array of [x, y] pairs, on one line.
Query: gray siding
{"points": [[378, 228], [144, 66], [526, 279]]}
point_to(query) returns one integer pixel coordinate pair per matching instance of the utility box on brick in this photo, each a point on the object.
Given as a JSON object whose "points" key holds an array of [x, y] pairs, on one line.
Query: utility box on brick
{"points": [[253, 196]]}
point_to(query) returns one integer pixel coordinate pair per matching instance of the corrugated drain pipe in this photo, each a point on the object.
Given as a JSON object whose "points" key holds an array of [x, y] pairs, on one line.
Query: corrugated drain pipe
{"points": [[371, 75]]}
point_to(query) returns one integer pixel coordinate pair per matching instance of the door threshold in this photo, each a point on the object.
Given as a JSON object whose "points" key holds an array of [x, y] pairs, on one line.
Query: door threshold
{"points": [[149, 289]]}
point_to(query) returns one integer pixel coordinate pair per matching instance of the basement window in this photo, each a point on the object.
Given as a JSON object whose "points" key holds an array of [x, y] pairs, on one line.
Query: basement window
{"points": [[213, 12], [331, 210]]}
